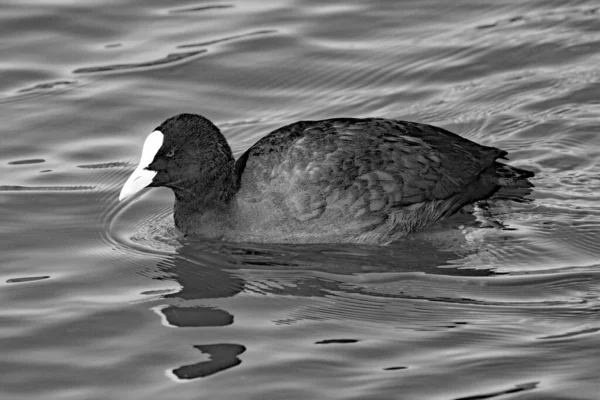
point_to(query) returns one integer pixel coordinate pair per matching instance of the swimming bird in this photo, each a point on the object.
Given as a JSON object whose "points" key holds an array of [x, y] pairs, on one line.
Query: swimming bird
{"points": [[341, 180]]}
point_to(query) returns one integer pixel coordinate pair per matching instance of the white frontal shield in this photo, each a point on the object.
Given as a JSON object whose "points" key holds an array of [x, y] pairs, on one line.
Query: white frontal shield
{"points": [[141, 177]]}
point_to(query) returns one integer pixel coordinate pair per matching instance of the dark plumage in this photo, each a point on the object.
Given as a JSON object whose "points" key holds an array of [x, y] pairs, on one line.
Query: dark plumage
{"points": [[367, 180]]}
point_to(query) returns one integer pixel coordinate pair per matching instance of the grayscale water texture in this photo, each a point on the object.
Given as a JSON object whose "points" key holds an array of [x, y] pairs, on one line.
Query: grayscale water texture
{"points": [[104, 300]]}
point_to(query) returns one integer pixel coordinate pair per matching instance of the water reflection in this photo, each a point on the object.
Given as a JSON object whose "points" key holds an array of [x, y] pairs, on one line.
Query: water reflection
{"points": [[211, 270], [518, 388], [222, 356]]}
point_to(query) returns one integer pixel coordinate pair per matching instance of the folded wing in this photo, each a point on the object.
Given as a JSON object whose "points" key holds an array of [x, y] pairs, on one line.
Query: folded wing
{"points": [[360, 167]]}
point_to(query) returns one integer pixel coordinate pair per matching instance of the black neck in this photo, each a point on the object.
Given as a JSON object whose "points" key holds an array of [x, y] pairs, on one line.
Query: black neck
{"points": [[207, 204]]}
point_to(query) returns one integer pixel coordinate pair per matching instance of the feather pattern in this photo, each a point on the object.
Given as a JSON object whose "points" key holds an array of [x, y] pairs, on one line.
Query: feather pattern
{"points": [[365, 170]]}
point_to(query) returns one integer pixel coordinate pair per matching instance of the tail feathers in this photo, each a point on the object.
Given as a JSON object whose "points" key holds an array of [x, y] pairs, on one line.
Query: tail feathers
{"points": [[509, 176], [513, 182]]}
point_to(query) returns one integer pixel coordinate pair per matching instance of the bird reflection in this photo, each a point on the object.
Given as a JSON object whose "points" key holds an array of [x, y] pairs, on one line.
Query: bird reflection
{"points": [[213, 269]]}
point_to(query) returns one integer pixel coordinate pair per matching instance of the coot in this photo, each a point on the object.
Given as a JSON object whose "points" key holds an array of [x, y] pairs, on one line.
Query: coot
{"points": [[354, 180]]}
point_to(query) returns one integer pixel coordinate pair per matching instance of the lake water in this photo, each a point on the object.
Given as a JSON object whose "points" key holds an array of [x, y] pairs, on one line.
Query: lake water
{"points": [[103, 300]]}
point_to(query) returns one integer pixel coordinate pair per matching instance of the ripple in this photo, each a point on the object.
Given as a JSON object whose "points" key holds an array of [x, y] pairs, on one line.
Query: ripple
{"points": [[114, 164], [23, 162], [572, 334], [228, 39], [27, 279], [337, 341], [410, 299], [151, 231], [62, 84], [394, 368], [517, 389], [140, 226], [560, 15], [169, 60], [15, 188], [200, 8]]}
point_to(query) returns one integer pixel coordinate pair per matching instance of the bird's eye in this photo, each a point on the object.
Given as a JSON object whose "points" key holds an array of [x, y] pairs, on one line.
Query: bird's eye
{"points": [[171, 153]]}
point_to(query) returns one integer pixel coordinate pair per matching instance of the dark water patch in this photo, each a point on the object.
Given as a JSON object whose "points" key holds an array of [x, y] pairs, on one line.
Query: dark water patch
{"points": [[14, 188], [227, 39], [113, 45], [188, 317], [223, 356], [24, 162], [503, 22], [337, 341], [200, 8], [45, 171], [115, 164], [518, 388], [48, 86], [394, 368], [27, 279], [169, 60]]}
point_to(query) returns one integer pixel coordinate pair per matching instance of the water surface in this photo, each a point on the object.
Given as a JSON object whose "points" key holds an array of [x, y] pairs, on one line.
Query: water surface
{"points": [[104, 300]]}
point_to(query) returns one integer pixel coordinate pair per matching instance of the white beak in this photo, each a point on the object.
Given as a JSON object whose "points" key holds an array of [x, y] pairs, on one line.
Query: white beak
{"points": [[141, 177]]}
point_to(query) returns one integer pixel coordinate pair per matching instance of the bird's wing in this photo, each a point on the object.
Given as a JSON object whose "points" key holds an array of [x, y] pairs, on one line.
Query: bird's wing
{"points": [[360, 166]]}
